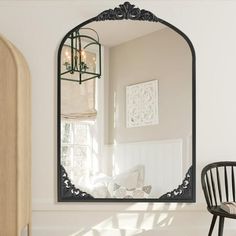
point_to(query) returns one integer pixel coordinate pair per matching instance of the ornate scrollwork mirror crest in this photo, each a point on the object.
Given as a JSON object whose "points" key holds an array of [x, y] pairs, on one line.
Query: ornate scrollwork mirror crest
{"points": [[78, 83]]}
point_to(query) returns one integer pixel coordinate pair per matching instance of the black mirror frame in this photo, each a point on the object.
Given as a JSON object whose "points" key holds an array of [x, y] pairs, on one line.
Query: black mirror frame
{"points": [[186, 191]]}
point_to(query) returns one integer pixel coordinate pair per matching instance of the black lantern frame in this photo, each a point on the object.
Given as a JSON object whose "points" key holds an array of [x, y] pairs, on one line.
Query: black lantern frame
{"points": [[75, 65]]}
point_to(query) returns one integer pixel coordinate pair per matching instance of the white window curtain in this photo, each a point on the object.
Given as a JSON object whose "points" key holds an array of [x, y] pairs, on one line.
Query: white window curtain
{"points": [[78, 100]]}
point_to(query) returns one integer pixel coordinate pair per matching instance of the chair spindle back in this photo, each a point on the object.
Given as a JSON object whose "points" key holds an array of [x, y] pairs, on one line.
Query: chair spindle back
{"points": [[218, 182]]}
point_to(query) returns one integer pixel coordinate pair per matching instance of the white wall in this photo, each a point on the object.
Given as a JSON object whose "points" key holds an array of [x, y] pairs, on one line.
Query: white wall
{"points": [[36, 28]]}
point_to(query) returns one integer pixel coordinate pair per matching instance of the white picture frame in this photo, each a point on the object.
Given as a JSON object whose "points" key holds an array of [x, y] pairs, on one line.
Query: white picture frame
{"points": [[142, 104]]}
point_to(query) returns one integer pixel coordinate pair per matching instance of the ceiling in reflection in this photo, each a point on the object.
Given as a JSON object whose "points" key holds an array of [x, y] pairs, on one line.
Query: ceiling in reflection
{"points": [[118, 32]]}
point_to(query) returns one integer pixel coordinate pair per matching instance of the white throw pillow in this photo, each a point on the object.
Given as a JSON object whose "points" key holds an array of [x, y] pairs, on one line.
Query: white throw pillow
{"points": [[128, 180], [141, 173], [122, 192], [99, 191], [100, 178]]}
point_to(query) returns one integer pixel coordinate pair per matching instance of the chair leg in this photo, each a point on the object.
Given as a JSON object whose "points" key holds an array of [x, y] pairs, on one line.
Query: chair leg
{"points": [[212, 224], [221, 225]]}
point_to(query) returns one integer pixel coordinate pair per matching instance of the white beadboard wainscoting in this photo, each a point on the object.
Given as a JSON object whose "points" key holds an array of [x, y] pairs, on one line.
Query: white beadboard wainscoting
{"points": [[161, 160]]}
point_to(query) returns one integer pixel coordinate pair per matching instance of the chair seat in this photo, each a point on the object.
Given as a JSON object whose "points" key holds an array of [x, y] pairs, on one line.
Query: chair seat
{"points": [[216, 210]]}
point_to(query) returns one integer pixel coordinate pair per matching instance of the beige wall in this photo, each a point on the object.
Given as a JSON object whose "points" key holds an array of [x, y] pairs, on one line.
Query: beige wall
{"points": [[163, 55]]}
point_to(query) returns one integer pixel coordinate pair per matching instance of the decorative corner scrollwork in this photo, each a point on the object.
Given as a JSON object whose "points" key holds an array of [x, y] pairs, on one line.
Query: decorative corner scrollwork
{"points": [[184, 191], [68, 190], [127, 11]]}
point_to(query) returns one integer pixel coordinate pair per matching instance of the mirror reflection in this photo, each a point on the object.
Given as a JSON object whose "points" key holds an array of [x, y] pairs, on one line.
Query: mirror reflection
{"points": [[126, 116]]}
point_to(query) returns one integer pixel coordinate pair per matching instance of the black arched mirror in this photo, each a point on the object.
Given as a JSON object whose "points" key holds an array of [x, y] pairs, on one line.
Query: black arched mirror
{"points": [[126, 110]]}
